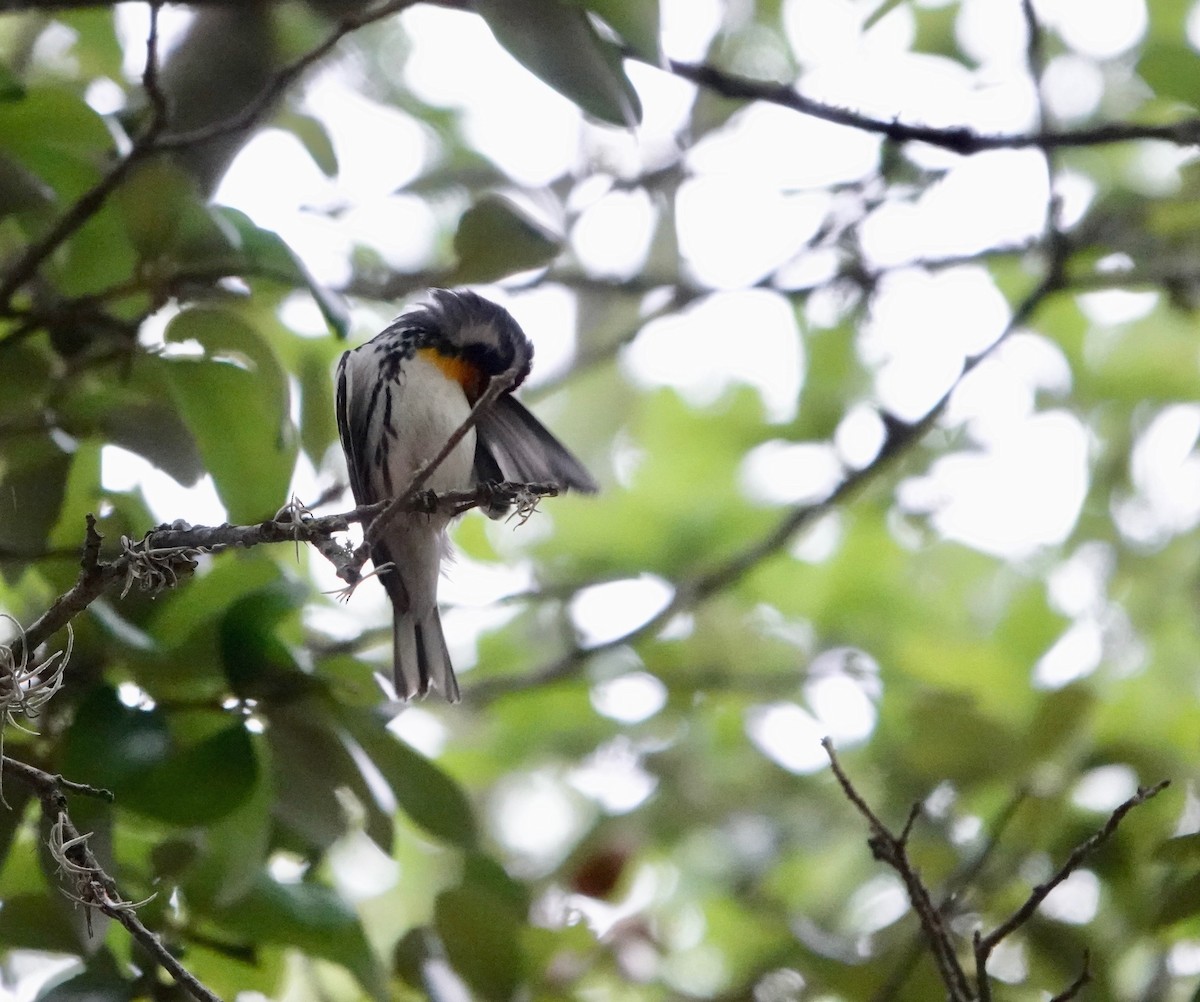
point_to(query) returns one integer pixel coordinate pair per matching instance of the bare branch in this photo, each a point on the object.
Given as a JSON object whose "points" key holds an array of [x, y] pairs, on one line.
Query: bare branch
{"points": [[166, 554], [893, 850], [1076, 986]]}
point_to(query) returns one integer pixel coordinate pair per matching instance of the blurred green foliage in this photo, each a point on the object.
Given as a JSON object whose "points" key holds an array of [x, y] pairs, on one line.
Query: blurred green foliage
{"points": [[294, 845]]}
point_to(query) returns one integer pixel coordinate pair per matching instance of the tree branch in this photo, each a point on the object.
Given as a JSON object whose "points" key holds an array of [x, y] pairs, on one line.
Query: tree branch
{"points": [[166, 554], [91, 885], [155, 139], [893, 850], [959, 139], [984, 945]]}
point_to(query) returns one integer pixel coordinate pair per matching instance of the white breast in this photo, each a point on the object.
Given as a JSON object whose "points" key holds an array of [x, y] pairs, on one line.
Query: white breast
{"points": [[427, 409]]}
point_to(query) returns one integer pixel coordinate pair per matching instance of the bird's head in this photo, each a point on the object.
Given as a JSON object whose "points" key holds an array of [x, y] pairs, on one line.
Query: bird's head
{"points": [[467, 327]]}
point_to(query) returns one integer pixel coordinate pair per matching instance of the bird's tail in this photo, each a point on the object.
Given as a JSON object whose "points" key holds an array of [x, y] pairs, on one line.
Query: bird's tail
{"points": [[422, 661]]}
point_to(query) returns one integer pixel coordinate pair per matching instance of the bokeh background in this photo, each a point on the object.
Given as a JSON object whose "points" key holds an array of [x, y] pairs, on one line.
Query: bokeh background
{"points": [[896, 423]]}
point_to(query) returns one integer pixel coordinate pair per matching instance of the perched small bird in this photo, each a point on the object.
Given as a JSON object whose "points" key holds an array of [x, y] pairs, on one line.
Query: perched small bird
{"points": [[400, 397]]}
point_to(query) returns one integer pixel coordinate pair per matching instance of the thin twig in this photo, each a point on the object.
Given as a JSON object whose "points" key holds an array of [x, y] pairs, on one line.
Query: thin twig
{"points": [[950, 892], [1076, 986], [986, 944]]}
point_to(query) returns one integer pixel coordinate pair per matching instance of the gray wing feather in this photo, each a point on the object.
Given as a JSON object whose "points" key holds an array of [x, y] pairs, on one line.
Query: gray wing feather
{"points": [[513, 441]]}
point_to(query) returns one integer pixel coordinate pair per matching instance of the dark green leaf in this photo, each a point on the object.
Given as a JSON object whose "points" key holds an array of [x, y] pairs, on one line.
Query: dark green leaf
{"points": [[20, 189], [314, 136], [1181, 849], [425, 793], [36, 922], [154, 200], [636, 22], [482, 936], [1181, 900], [205, 599], [310, 918], [312, 765], [495, 239], [555, 41], [232, 851], [33, 480], [109, 743], [197, 784], [263, 252], [256, 661], [235, 402]]}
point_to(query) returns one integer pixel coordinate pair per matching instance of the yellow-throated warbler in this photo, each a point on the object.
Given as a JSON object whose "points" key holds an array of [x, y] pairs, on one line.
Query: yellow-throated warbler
{"points": [[400, 397]]}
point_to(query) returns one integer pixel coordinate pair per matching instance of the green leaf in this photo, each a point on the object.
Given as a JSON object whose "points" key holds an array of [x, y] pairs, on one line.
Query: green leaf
{"points": [[425, 793], [257, 663], [197, 784], [235, 402], [314, 137], [109, 742], [1172, 69], [1181, 900], [263, 252], [57, 135], [555, 41], [312, 765], [20, 189], [134, 415], [482, 936], [206, 598], [1181, 849], [155, 199], [880, 12], [36, 922], [233, 851], [318, 421], [310, 918], [495, 238], [636, 21], [33, 481]]}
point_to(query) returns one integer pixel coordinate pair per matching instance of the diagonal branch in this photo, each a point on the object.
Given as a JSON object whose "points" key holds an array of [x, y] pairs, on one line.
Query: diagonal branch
{"points": [[984, 945], [93, 887], [902, 439], [497, 385]]}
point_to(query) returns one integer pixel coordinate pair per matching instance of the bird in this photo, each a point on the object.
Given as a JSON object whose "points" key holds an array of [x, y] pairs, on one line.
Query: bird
{"points": [[400, 397]]}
